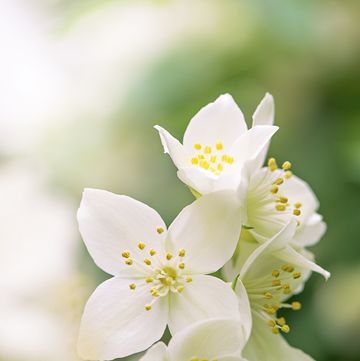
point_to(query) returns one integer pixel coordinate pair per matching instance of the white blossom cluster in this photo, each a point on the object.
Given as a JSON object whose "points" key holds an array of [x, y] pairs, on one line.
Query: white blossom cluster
{"points": [[253, 222]]}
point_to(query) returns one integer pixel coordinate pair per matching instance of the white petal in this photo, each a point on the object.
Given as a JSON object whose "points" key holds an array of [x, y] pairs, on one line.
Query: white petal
{"points": [[174, 148], [264, 115], [298, 190], [244, 308], [205, 297], [265, 111], [311, 231], [221, 120], [205, 182], [249, 145], [265, 346], [209, 339], [208, 229], [115, 322], [288, 254], [158, 352], [277, 243], [111, 224]]}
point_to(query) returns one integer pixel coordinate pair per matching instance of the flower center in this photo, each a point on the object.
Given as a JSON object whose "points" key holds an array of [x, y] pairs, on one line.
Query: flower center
{"points": [[160, 274], [213, 159], [266, 296]]}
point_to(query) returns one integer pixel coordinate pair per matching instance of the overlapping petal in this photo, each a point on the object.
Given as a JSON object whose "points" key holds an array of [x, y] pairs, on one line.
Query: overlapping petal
{"points": [[110, 224], [208, 230], [116, 324], [205, 297]]}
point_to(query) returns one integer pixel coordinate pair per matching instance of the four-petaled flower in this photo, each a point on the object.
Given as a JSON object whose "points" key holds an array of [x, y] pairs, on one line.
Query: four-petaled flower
{"points": [[209, 340], [217, 144], [159, 275]]}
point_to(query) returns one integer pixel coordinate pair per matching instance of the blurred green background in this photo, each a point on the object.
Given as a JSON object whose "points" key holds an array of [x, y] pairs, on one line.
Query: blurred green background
{"points": [[87, 80]]}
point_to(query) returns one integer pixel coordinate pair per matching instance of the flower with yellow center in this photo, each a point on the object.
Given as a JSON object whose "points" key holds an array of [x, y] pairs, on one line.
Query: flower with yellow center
{"points": [[272, 197], [265, 282], [217, 143], [160, 276], [209, 340]]}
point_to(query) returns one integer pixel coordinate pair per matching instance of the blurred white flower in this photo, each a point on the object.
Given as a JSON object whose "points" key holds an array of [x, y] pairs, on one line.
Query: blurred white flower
{"points": [[217, 144], [37, 260], [159, 275], [213, 339]]}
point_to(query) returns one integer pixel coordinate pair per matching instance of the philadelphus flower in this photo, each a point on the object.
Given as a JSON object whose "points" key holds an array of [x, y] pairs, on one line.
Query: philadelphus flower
{"points": [[266, 282], [209, 340], [217, 143], [159, 275]]}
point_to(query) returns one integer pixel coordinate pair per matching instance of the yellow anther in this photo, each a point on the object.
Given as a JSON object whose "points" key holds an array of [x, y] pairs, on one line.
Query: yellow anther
{"points": [[287, 268], [147, 261], [159, 230], [230, 159], [126, 254], [204, 164], [149, 280], [280, 207], [141, 245], [275, 273], [296, 212], [224, 158], [152, 252], [296, 275], [272, 164], [207, 150], [275, 306], [279, 181], [276, 282], [271, 311], [268, 295], [283, 199], [298, 205], [188, 279], [197, 146], [169, 256], [180, 288], [219, 146], [286, 165], [182, 252], [287, 291], [147, 307], [288, 174], [219, 167], [296, 305], [132, 286], [181, 265], [129, 261], [213, 159], [271, 323], [194, 161], [274, 189], [285, 286], [285, 328], [154, 292], [275, 330], [281, 321]]}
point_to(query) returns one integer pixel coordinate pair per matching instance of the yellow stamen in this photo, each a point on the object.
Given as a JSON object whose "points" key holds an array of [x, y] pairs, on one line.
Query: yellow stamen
{"points": [[201, 156], [279, 181], [147, 307], [219, 146], [296, 305], [286, 165], [271, 323], [274, 189], [272, 164], [213, 159], [129, 262], [182, 265], [275, 330], [194, 161], [219, 167], [285, 328], [132, 286], [298, 205], [281, 321], [141, 245], [126, 254], [280, 207], [149, 280], [197, 146], [275, 273], [204, 164], [296, 212], [288, 174], [147, 261], [169, 256], [283, 199], [159, 230], [296, 275], [276, 282], [268, 295], [152, 252], [188, 279], [287, 268], [182, 252], [180, 288], [207, 150]]}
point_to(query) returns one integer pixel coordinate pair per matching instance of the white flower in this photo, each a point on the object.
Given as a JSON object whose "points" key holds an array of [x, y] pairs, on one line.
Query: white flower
{"points": [[271, 198], [266, 282], [159, 275], [217, 143], [213, 339]]}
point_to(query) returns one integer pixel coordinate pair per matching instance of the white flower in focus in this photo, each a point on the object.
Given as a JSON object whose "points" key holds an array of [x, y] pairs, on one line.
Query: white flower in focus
{"points": [[217, 143], [213, 339], [266, 282], [159, 275]]}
